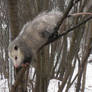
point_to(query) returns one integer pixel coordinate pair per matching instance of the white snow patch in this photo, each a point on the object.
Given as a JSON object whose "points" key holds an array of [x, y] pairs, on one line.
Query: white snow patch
{"points": [[88, 86], [4, 85], [53, 85], [68, 43]]}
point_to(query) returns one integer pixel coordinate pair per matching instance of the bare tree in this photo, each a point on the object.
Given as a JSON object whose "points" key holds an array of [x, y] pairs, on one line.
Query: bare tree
{"points": [[59, 59]]}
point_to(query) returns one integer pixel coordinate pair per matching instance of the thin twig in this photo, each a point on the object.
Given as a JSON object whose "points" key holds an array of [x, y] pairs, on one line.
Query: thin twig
{"points": [[80, 13]]}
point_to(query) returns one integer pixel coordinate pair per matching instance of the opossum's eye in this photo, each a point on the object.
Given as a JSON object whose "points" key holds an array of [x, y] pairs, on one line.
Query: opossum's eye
{"points": [[15, 47]]}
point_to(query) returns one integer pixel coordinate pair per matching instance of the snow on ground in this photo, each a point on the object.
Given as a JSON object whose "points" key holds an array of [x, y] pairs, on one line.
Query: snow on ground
{"points": [[88, 86], [53, 85], [4, 85]]}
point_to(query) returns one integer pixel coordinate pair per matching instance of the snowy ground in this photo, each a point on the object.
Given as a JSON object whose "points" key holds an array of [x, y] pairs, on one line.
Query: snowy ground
{"points": [[53, 85], [4, 85], [88, 87]]}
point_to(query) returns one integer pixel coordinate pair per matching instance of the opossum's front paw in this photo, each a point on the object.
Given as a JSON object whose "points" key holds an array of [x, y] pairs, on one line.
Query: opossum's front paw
{"points": [[25, 65]]}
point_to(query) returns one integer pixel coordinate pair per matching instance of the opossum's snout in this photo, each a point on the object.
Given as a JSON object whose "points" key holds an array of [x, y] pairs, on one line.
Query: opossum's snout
{"points": [[16, 55]]}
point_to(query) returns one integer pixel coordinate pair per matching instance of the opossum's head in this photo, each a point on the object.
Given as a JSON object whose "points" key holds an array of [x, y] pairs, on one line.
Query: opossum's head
{"points": [[18, 53]]}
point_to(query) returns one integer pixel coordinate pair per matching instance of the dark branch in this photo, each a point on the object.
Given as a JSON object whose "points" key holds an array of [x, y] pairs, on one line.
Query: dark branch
{"points": [[19, 79], [71, 29], [66, 13], [54, 37]]}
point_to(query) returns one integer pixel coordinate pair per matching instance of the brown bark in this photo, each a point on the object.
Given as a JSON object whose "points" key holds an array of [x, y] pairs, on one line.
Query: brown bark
{"points": [[84, 58], [13, 17]]}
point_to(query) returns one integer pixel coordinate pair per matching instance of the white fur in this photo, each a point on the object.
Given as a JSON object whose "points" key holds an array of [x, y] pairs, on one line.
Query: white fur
{"points": [[19, 55]]}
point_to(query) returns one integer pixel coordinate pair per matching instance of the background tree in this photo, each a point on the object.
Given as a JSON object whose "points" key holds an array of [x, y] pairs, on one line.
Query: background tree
{"points": [[59, 59]]}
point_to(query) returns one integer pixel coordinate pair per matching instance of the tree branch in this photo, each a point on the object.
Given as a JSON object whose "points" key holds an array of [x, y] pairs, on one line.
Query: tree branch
{"points": [[19, 79], [69, 30], [71, 4]]}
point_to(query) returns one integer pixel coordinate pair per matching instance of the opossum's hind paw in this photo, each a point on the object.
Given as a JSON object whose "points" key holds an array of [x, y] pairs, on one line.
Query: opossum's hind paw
{"points": [[49, 35], [45, 34]]}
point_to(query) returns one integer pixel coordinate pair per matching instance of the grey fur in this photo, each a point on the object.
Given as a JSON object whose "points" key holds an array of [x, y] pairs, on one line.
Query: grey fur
{"points": [[31, 38]]}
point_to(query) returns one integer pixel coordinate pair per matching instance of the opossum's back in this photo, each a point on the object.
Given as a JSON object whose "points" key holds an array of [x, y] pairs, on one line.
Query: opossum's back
{"points": [[47, 20], [42, 23]]}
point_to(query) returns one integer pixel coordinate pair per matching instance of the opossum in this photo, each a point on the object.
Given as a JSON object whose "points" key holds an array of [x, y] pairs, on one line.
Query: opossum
{"points": [[32, 37]]}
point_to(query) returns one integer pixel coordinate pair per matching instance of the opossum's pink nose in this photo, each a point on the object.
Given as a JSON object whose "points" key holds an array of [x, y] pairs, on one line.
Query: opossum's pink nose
{"points": [[16, 66]]}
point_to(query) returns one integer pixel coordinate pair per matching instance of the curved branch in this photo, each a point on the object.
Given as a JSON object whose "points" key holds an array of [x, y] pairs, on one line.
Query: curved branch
{"points": [[74, 27], [67, 31]]}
